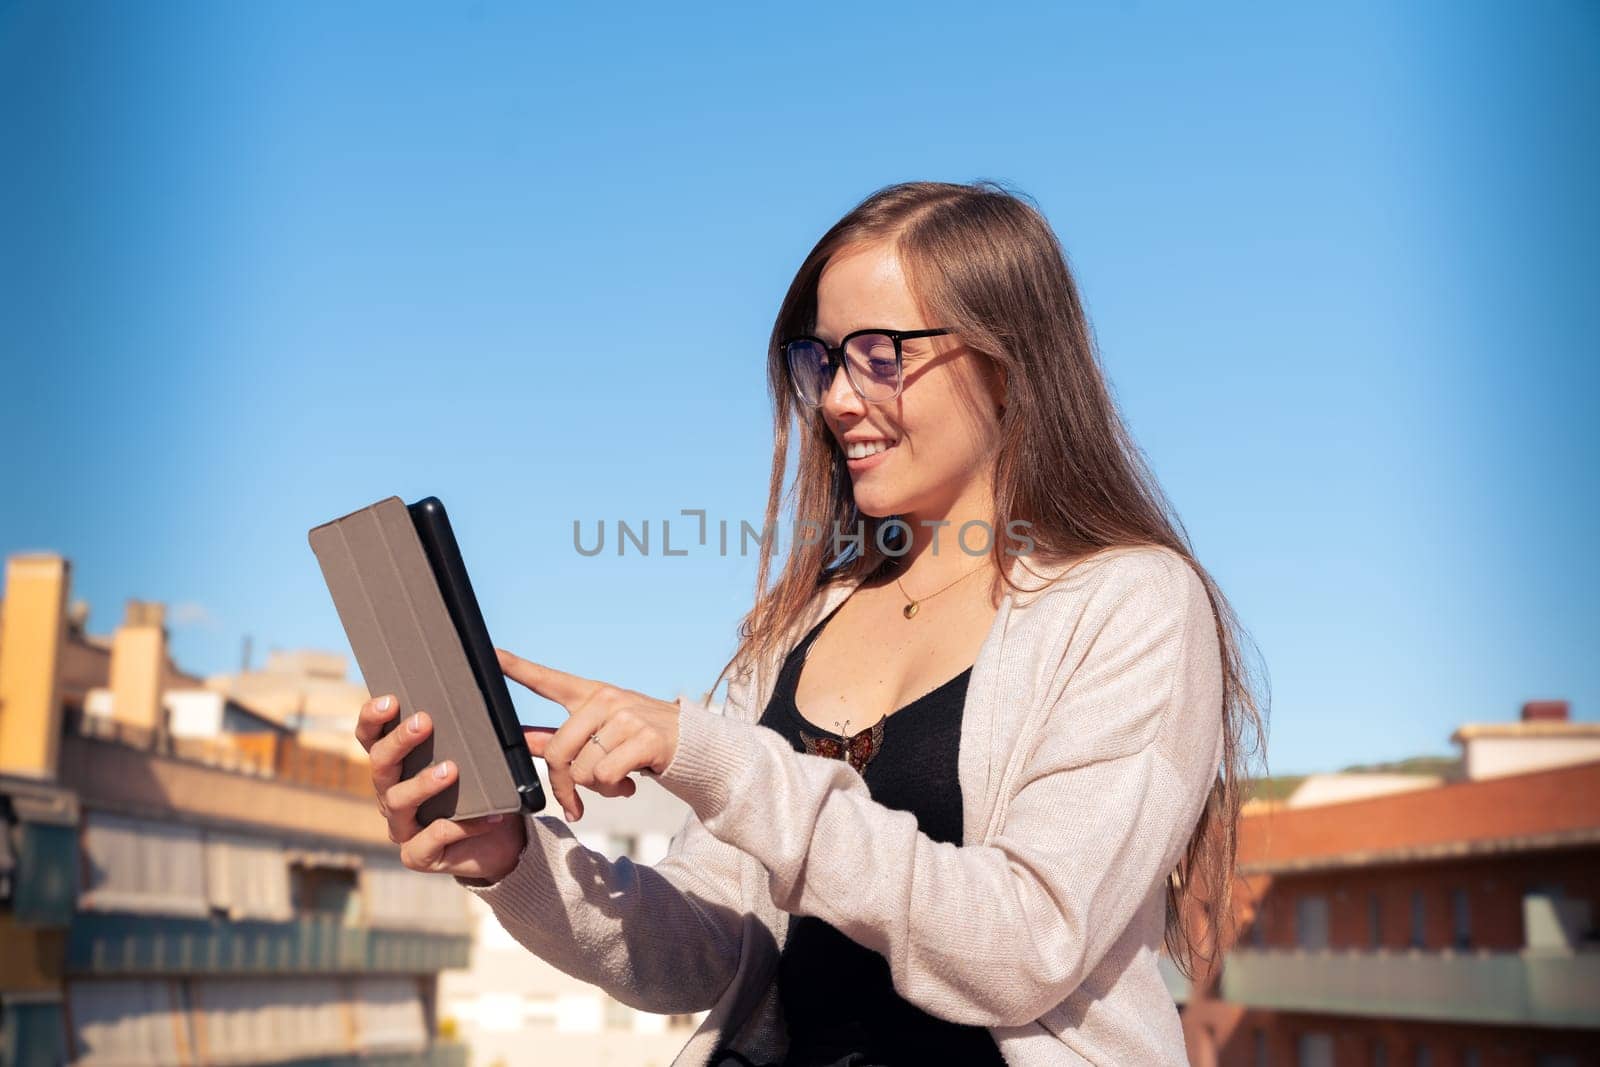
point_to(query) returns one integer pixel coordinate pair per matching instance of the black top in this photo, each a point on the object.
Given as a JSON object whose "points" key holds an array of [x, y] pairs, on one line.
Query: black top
{"points": [[838, 1000]]}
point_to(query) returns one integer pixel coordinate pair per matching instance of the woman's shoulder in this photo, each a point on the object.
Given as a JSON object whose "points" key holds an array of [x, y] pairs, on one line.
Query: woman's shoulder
{"points": [[1130, 648], [1102, 581]]}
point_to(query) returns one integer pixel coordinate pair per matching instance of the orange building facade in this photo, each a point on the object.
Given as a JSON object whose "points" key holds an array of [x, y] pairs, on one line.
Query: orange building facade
{"points": [[1450, 926]]}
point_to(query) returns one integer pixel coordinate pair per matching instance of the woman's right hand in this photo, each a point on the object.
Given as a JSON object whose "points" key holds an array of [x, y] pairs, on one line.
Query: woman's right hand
{"points": [[481, 850]]}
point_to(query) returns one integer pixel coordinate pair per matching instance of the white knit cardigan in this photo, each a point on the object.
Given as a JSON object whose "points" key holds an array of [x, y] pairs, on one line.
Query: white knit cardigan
{"points": [[1090, 739]]}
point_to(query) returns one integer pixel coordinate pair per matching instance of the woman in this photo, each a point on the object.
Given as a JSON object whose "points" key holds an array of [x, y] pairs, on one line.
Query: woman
{"points": [[973, 770]]}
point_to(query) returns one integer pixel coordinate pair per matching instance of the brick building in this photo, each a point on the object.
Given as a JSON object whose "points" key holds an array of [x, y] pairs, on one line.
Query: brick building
{"points": [[1451, 925]]}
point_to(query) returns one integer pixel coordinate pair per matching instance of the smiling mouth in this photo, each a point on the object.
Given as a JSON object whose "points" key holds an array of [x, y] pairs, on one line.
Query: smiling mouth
{"points": [[863, 449]]}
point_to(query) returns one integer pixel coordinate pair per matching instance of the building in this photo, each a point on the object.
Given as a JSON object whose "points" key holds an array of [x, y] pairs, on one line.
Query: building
{"points": [[303, 691], [193, 871], [1446, 924], [182, 880]]}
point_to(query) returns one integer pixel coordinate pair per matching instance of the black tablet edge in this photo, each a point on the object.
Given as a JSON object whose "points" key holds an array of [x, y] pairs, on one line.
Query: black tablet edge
{"points": [[438, 539]]}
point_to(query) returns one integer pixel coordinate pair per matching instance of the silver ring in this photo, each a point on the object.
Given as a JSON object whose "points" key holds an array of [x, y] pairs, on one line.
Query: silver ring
{"points": [[595, 737]]}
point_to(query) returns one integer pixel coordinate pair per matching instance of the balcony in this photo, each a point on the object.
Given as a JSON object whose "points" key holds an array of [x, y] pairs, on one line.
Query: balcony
{"points": [[1519, 988], [303, 796], [105, 944], [43, 871], [32, 1034], [438, 1054]]}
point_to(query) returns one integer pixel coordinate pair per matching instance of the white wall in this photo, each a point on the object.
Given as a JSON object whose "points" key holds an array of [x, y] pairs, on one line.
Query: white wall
{"points": [[1493, 757]]}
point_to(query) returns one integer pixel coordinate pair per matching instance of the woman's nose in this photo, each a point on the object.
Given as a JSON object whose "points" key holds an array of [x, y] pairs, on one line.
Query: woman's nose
{"points": [[840, 398]]}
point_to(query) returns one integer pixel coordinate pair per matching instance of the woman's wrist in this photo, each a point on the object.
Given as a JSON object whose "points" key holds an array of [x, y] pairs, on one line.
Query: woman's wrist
{"points": [[713, 751], [495, 877]]}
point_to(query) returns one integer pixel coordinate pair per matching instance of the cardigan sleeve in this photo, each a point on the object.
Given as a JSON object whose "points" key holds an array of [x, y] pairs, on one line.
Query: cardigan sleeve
{"points": [[664, 938], [1101, 810]]}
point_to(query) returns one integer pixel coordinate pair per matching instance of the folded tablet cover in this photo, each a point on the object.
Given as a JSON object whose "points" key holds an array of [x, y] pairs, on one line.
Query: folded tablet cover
{"points": [[405, 643]]}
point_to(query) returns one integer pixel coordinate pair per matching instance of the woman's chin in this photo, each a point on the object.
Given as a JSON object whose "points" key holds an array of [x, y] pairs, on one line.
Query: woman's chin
{"points": [[877, 505]]}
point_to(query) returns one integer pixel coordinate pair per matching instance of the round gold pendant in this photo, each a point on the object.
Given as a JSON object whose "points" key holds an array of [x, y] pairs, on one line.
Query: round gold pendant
{"points": [[909, 610]]}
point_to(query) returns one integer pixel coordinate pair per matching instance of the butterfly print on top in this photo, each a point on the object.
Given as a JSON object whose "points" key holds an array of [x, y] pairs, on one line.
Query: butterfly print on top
{"points": [[857, 750]]}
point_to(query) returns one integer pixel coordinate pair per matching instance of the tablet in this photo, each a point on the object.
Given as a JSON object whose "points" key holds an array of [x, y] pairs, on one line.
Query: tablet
{"points": [[401, 590]]}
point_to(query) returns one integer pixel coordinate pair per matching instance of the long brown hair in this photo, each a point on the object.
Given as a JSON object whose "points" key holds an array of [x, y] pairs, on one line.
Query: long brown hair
{"points": [[983, 261]]}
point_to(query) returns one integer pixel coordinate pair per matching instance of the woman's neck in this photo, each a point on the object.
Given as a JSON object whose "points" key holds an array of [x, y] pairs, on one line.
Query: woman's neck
{"points": [[945, 545]]}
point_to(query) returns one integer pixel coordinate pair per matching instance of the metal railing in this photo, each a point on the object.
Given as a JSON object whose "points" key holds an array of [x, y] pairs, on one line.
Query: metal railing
{"points": [[1524, 988], [114, 943]]}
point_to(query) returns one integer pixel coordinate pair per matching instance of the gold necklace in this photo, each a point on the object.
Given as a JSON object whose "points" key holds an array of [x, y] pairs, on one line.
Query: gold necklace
{"points": [[910, 610]]}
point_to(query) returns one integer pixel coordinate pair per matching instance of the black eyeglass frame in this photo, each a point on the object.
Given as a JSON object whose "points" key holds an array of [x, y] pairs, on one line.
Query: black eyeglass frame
{"points": [[836, 359]]}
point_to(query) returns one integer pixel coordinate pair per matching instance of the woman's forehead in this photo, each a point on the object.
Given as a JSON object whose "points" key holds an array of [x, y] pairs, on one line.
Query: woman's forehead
{"points": [[864, 287]]}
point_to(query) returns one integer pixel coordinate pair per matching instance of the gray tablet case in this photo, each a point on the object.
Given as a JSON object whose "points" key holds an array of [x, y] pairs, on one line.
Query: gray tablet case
{"points": [[406, 644]]}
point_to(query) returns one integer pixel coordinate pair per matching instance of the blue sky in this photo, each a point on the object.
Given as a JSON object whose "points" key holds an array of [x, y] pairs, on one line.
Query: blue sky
{"points": [[263, 264]]}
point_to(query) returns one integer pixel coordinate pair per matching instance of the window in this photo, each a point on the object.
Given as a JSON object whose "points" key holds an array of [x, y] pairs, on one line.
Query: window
{"points": [[247, 1020], [389, 1014], [1419, 919], [618, 1016], [127, 1022], [1375, 920], [329, 891], [246, 877], [1549, 918], [1311, 922], [143, 865], [1461, 918], [400, 898], [1314, 1050]]}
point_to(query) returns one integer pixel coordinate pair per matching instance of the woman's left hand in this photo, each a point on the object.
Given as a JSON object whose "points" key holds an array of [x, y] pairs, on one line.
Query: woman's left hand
{"points": [[635, 733]]}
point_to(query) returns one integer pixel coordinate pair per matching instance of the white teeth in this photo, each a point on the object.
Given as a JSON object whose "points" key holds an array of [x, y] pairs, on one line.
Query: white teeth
{"points": [[863, 449]]}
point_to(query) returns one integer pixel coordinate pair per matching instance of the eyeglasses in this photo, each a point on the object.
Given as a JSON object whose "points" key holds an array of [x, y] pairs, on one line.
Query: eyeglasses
{"points": [[871, 358]]}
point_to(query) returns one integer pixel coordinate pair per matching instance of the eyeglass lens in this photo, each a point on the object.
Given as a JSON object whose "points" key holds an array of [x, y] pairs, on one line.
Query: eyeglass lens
{"points": [[869, 362]]}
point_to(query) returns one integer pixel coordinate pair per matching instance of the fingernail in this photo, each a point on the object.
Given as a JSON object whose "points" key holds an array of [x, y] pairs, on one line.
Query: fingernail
{"points": [[416, 723], [382, 704], [497, 817], [568, 813], [442, 769]]}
